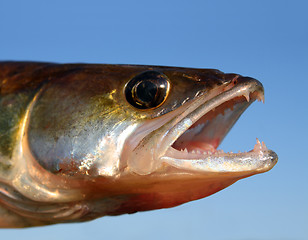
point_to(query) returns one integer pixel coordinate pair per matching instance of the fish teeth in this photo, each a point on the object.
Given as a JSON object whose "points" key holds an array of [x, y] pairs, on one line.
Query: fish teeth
{"points": [[220, 151], [264, 148], [246, 95], [258, 146], [184, 150], [260, 98]]}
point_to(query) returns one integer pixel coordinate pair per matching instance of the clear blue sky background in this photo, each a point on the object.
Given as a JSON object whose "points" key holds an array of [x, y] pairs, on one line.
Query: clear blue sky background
{"points": [[265, 39]]}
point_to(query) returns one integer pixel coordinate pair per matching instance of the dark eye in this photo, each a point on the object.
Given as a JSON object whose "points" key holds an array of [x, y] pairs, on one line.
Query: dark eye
{"points": [[147, 90]]}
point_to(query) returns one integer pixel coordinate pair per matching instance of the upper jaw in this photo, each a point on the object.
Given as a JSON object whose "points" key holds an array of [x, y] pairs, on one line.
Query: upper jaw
{"points": [[161, 147]]}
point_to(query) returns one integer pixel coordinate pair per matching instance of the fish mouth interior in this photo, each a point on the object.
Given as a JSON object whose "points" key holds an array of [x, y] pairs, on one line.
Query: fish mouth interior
{"points": [[205, 135]]}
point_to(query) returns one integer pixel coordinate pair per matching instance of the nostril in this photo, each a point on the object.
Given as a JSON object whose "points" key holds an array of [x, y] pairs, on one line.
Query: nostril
{"points": [[235, 81]]}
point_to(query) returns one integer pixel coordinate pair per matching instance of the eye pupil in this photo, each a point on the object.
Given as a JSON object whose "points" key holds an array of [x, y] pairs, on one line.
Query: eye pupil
{"points": [[147, 90]]}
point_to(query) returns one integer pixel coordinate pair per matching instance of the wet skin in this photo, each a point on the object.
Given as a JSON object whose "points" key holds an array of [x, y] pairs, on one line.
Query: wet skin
{"points": [[80, 141]]}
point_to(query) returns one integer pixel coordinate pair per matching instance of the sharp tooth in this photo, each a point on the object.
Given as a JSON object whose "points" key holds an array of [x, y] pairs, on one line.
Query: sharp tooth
{"points": [[264, 148], [193, 151], [185, 150], [260, 98], [246, 95], [258, 146]]}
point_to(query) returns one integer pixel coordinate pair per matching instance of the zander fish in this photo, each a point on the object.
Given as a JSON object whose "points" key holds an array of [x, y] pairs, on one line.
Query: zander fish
{"points": [[80, 141]]}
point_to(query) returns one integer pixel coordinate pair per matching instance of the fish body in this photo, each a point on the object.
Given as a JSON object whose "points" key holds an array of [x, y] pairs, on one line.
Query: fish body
{"points": [[81, 141]]}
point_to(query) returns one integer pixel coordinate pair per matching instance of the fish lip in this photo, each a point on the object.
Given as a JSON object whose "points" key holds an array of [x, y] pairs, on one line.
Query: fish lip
{"points": [[255, 161]]}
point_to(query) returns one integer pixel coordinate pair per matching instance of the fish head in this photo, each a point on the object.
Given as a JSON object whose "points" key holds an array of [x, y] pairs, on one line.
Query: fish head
{"points": [[141, 137], [172, 156]]}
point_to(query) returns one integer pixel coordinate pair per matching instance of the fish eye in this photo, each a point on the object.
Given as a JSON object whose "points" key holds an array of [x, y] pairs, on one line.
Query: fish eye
{"points": [[147, 90]]}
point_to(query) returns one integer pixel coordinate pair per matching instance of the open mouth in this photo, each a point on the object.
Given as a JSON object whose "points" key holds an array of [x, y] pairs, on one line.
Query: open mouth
{"points": [[194, 145], [206, 134], [188, 137]]}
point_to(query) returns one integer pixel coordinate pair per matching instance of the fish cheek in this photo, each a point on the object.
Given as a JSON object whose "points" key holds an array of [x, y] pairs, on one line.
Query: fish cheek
{"points": [[59, 128], [78, 135]]}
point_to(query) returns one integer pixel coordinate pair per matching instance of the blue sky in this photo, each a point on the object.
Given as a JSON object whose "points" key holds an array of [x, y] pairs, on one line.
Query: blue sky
{"points": [[264, 39]]}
